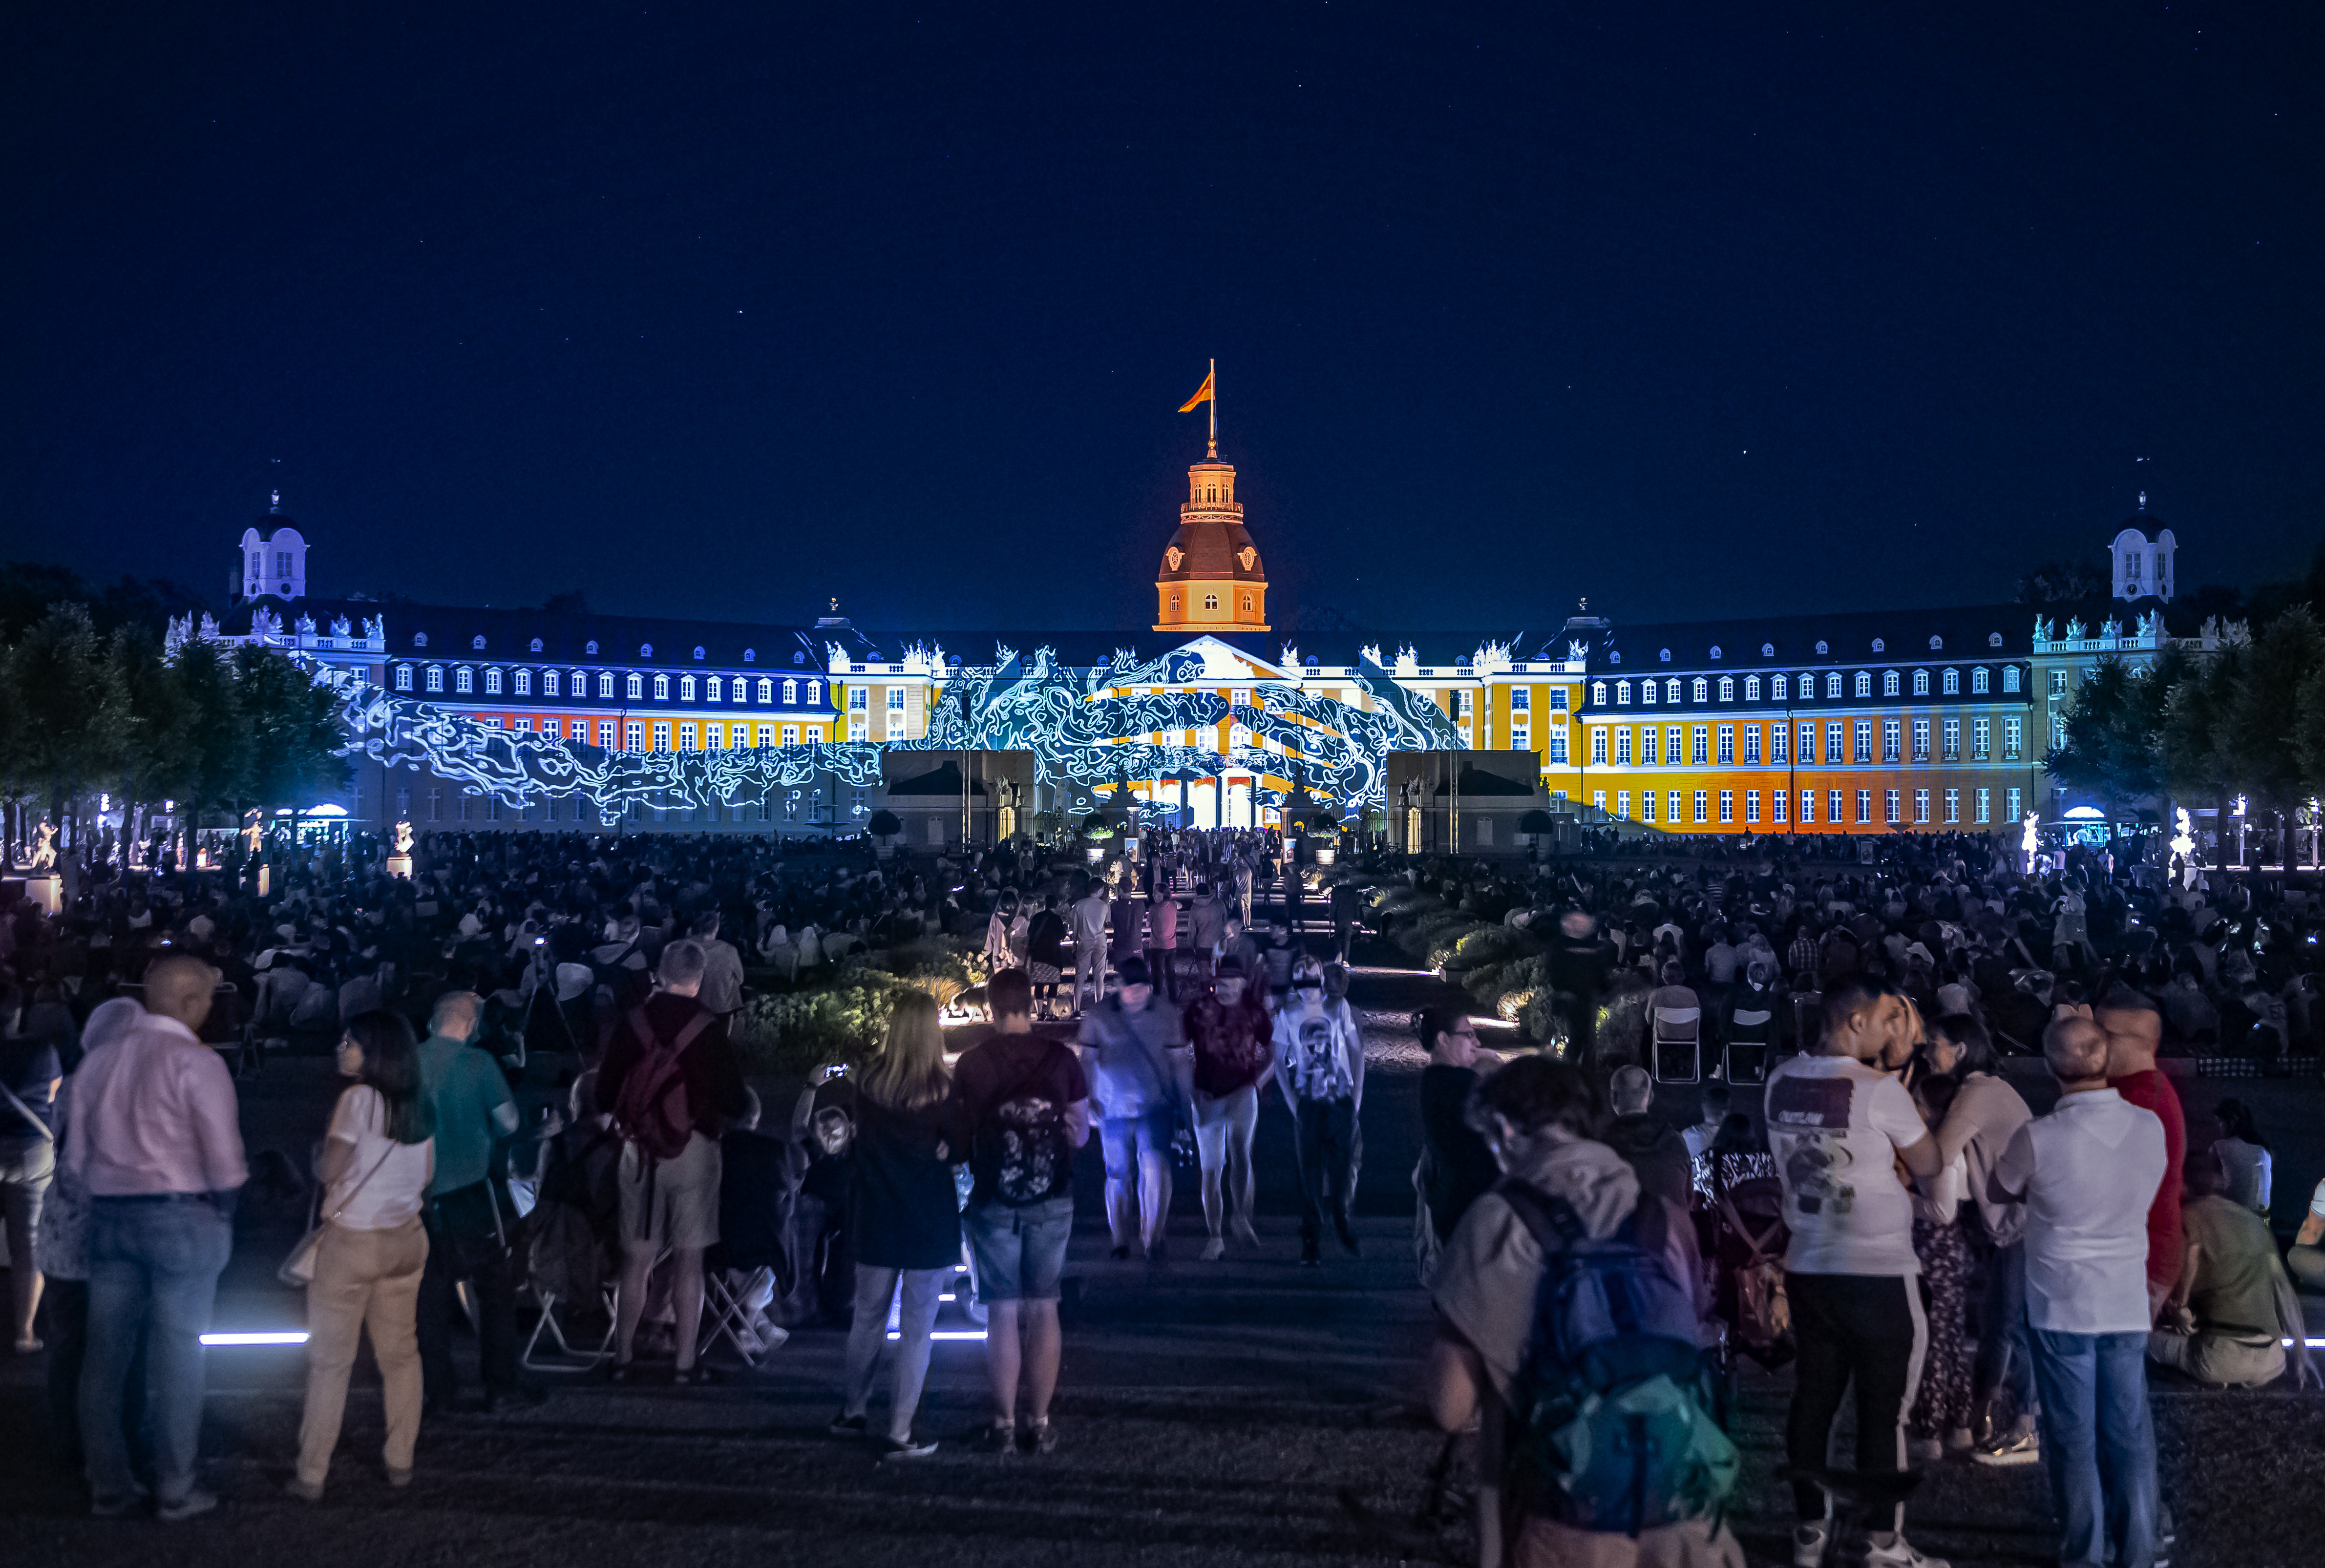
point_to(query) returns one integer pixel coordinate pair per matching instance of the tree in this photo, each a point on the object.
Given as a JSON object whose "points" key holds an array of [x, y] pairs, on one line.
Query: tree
{"points": [[2065, 583], [293, 729], [2257, 727], [883, 825], [70, 719], [2114, 734]]}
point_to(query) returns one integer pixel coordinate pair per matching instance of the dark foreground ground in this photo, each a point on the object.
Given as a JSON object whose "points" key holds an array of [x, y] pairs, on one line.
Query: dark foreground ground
{"points": [[1242, 1413]]}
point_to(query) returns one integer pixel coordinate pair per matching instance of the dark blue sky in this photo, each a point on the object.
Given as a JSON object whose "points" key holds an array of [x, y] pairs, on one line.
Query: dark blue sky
{"points": [[727, 311]]}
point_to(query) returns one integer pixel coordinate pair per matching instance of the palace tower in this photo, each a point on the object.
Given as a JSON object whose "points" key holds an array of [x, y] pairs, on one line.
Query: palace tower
{"points": [[1211, 578]]}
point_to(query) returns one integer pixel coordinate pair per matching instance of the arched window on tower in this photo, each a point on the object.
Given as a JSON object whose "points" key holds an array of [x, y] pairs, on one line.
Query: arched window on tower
{"points": [[1210, 601], [1246, 604], [1174, 606]]}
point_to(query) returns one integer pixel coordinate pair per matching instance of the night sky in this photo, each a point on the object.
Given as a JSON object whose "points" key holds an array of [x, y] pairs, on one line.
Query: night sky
{"points": [[724, 311]]}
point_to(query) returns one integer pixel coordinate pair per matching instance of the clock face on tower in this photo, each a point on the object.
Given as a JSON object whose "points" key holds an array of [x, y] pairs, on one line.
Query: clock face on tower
{"points": [[1246, 555], [1175, 555]]}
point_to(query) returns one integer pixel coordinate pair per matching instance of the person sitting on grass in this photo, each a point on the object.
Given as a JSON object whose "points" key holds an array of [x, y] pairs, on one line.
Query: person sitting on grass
{"points": [[2233, 1306]]}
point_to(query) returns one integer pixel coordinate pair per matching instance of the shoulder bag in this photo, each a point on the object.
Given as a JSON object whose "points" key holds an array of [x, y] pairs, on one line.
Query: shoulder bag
{"points": [[299, 1268]]}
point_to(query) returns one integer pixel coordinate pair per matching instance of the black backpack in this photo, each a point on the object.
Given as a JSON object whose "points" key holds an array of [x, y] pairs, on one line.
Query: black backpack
{"points": [[1022, 1137]]}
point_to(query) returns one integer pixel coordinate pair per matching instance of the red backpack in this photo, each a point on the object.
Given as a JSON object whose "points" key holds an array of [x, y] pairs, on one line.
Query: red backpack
{"points": [[652, 1110]]}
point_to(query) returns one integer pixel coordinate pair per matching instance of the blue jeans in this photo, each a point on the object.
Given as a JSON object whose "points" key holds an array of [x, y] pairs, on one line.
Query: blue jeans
{"points": [[2098, 1446], [2004, 1360], [153, 1266]]}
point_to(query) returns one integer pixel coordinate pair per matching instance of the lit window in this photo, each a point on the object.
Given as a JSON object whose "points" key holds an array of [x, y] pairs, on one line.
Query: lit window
{"points": [[522, 683], [1622, 745], [1703, 805], [1977, 681], [815, 694], [896, 698], [1921, 806], [790, 735], [1751, 806], [662, 737], [662, 693], [715, 689], [686, 741], [858, 697], [1751, 743], [551, 685], [1833, 684], [1597, 745], [1727, 688], [2010, 678], [1728, 806], [1921, 740], [686, 691], [1981, 739], [1700, 752], [2011, 741], [1727, 744], [1671, 689], [791, 693], [1597, 694], [1751, 688], [1780, 741], [634, 735], [403, 678], [1647, 744], [766, 734], [1889, 805], [1558, 698], [492, 683], [2011, 797], [766, 690], [1953, 740], [1646, 806], [1832, 752], [605, 683], [1954, 806], [1950, 683], [637, 686], [1864, 806], [1889, 683], [1921, 683], [1864, 752], [2058, 682], [1210, 601], [1622, 693], [1782, 800], [1623, 804], [1986, 806], [1892, 740], [1780, 689], [1702, 689], [1647, 696], [1864, 683], [464, 679], [1558, 746], [606, 733]]}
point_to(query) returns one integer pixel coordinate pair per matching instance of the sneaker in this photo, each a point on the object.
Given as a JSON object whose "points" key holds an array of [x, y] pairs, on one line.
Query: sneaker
{"points": [[845, 1426], [2009, 1448], [894, 1452], [998, 1437], [1039, 1437], [1214, 1249], [1899, 1553], [193, 1505], [1808, 1544]]}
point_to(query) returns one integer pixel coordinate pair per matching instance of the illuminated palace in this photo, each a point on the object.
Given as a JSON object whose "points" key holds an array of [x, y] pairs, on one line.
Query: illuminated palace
{"points": [[1853, 722]]}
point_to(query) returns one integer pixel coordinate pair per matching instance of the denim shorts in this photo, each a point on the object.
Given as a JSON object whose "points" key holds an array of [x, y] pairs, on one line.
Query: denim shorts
{"points": [[1020, 1252], [1125, 1138]]}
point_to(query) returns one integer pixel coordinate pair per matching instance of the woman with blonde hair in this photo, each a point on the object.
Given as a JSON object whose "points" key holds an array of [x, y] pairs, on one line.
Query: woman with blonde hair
{"points": [[904, 1220]]}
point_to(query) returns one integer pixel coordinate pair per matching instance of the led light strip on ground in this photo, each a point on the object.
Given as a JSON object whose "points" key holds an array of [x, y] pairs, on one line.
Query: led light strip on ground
{"points": [[947, 1333], [288, 1337]]}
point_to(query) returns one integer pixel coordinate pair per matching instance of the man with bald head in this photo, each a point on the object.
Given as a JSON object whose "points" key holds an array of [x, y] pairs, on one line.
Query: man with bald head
{"points": [[157, 1144], [2086, 1175]]}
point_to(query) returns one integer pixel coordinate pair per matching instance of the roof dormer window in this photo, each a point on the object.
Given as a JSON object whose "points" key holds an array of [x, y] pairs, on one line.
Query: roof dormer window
{"points": [[477, 641]]}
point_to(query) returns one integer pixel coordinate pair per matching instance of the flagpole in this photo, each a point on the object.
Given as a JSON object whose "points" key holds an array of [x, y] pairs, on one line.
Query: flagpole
{"points": [[1214, 379]]}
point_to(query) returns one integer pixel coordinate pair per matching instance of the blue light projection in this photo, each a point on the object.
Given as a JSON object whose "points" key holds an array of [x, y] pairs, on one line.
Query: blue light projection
{"points": [[1077, 728]]}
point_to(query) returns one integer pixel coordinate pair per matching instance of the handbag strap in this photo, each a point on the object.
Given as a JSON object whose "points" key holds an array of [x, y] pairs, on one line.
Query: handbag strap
{"points": [[358, 1187], [27, 1113]]}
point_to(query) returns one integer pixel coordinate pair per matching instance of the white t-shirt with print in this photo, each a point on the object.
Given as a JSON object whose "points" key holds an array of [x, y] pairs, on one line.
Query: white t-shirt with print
{"points": [[1835, 1126], [382, 1186]]}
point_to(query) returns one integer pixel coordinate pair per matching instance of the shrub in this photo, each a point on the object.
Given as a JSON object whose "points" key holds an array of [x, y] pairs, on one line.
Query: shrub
{"points": [[843, 1020]]}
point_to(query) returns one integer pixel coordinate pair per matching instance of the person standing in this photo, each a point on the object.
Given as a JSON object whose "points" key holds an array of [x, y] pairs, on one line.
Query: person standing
{"points": [[1206, 922], [903, 1216], [1347, 903], [375, 1163], [2087, 1174], [1163, 939], [670, 1079], [1232, 1036], [2134, 1027], [1091, 915], [1045, 952], [468, 1215], [157, 1146], [1134, 1051], [1456, 1164], [1321, 1065], [1020, 1107], [30, 1073], [722, 968], [1837, 1127]]}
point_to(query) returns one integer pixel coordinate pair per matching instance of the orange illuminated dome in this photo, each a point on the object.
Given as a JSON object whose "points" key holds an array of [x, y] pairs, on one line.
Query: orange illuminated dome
{"points": [[1211, 578]]}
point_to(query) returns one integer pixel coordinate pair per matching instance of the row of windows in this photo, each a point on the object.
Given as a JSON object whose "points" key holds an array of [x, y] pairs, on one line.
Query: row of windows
{"points": [[557, 683], [1675, 804], [632, 735], [793, 808], [1780, 686], [1844, 740]]}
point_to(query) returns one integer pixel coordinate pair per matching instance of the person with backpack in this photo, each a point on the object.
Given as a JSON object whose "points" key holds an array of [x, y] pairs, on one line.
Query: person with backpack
{"points": [[1839, 1127], [1020, 1107], [1567, 1306], [1134, 1048], [1320, 1063], [670, 1079]]}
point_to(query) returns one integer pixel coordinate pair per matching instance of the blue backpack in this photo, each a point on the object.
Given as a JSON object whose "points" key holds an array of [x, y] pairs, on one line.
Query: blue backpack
{"points": [[1611, 1426]]}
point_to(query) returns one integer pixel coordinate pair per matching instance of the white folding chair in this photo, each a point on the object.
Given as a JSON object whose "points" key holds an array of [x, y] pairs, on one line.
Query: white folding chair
{"points": [[565, 1357], [1678, 1045]]}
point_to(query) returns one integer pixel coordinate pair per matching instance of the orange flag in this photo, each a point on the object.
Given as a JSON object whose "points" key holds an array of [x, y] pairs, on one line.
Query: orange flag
{"points": [[1202, 394]]}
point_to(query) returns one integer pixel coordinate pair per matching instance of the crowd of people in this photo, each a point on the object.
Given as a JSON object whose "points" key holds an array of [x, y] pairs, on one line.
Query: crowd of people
{"points": [[1898, 1223]]}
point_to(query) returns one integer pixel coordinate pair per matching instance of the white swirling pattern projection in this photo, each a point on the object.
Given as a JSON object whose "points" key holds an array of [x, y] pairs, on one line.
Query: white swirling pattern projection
{"points": [[1077, 729], [1080, 732], [519, 768]]}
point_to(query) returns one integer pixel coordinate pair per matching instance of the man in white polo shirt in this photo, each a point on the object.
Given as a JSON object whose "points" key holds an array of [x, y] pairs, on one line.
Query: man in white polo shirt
{"points": [[1839, 1128], [2088, 1173]]}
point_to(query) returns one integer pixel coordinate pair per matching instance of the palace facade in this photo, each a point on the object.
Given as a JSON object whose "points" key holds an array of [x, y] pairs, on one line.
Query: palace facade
{"points": [[1852, 722]]}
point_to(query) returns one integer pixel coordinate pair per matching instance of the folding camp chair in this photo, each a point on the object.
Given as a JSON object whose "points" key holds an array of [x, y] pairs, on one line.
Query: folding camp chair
{"points": [[1678, 1045], [566, 1357]]}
